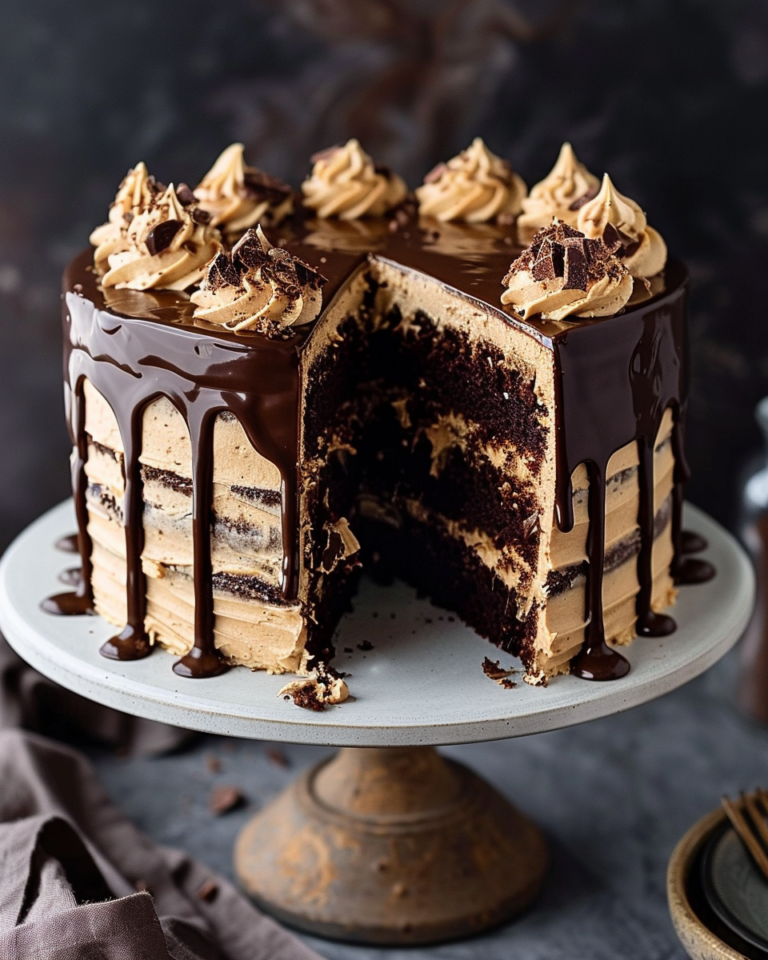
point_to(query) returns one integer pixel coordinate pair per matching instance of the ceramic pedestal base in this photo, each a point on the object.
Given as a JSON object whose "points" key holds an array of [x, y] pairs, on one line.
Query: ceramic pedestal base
{"points": [[391, 846]]}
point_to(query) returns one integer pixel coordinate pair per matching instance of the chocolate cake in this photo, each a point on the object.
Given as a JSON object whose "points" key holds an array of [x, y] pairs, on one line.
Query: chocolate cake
{"points": [[382, 380]]}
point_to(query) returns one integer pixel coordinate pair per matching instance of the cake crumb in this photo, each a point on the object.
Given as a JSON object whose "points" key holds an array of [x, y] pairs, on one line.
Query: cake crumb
{"points": [[365, 645], [494, 671], [536, 680], [314, 692], [207, 893], [225, 798], [276, 756]]}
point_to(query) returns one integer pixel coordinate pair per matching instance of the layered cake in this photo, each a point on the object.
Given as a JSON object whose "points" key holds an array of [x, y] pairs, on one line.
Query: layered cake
{"points": [[474, 387]]}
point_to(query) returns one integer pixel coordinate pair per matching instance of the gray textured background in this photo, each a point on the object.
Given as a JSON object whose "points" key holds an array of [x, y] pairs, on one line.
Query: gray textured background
{"points": [[671, 96]]}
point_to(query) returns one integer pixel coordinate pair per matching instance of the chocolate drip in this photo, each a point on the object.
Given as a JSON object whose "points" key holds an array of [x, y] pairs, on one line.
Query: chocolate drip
{"points": [[81, 601], [596, 660], [132, 643], [691, 542], [202, 660], [614, 382], [67, 544], [691, 570], [203, 371]]}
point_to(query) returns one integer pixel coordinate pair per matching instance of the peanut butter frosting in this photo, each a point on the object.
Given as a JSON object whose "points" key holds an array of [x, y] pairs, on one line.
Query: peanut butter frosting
{"points": [[136, 192], [476, 186], [345, 183], [259, 287], [168, 246], [643, 249], [560, 194], [565, 274], [238, 196]]}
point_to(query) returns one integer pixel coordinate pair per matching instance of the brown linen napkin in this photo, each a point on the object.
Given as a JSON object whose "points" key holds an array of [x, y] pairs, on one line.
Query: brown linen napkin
{"points": [[29, 700], [71, 866]]}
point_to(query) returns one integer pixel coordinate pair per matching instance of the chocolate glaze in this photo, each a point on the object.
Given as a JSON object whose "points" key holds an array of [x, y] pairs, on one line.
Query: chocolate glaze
{"points": [[615, 377], [72, 576], [691, 542], [67, 544], [203, 371]]}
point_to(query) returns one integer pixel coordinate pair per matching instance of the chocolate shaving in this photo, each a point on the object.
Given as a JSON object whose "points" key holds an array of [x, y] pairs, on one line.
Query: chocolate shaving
{"points": [[160, 237]]}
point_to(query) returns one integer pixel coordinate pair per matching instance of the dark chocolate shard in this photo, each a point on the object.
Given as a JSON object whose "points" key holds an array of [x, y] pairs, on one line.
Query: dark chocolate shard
{"points": [[544, 265], [575, 274], [185, 195], [160, 237], [222, 273], [248, 253], [263, 186], [199, 215], [612, 238], [585, 198]]}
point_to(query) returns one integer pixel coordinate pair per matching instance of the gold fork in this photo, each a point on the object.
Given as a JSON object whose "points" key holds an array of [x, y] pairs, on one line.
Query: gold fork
{"points": [[751, 829]]}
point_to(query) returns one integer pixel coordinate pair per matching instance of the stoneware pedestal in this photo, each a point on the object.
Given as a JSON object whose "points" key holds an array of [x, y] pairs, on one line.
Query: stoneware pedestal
{"points": [[386, 842]]}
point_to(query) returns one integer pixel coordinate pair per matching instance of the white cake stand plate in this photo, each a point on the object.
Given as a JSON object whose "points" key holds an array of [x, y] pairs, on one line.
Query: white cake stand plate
{"points": [[395, 844]]}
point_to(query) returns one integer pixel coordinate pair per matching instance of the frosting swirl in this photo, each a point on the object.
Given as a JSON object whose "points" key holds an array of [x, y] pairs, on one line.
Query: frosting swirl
{"points": [[135, 193], [559, 194], [345, 183], [238, 197], [565, 274], [167, 246], [259, 287], [476, 186], [622, 224]]}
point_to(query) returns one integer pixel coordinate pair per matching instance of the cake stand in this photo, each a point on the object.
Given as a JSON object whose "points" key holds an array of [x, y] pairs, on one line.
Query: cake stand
{"points": [[391, 843]]}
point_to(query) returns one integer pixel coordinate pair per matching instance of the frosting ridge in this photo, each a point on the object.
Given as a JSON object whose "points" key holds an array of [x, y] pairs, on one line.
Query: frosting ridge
{"points": [[345, 183], [238, 196], [168, 245], [135, 193], [475, 186], [565, 274], [259, 287], [559, 194], [610, 213]]}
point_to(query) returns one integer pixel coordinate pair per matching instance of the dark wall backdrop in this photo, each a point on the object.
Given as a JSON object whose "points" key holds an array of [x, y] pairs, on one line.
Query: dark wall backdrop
{"points": [[670, 96]]}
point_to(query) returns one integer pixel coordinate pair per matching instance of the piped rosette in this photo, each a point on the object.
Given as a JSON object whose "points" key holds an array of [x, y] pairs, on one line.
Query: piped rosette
{"points": [[134, 196], [238, 196], [561, 194], [475, 187], [564, 274], [260, 288], [346, 184], [623, 226], [169, 245]]}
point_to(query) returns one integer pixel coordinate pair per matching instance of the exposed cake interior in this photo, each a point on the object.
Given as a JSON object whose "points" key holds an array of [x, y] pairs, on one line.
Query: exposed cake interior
{"points": [[429, 425]]}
